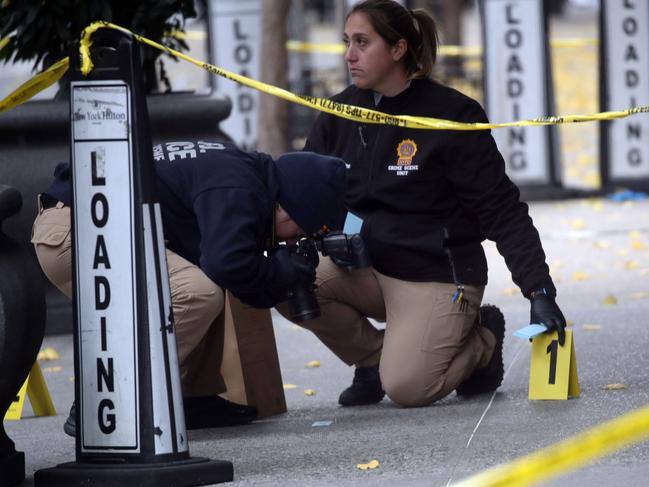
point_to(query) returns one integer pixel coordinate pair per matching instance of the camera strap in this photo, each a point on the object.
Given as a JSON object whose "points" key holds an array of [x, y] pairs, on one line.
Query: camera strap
{"points": [[269, 241]]}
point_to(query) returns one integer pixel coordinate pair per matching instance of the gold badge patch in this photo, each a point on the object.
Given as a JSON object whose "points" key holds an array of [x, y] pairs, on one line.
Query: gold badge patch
{"points": [[406, 150]]}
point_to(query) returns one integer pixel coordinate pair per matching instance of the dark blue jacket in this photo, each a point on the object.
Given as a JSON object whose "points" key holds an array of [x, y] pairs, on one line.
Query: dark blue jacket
{"points": [[217, 207]]}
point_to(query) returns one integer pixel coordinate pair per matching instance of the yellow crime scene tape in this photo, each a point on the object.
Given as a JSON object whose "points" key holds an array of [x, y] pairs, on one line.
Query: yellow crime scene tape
{"points": [[340, 48], [350, 112], [35, 85], [567, 455], [328, 47], [190, 35]]}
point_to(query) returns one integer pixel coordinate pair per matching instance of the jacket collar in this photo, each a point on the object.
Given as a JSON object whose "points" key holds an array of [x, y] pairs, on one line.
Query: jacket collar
{"points": [[367, 96]]}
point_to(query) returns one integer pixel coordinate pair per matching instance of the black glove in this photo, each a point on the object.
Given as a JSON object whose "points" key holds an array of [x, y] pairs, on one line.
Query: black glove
{"points": [[545, 311], [292, 269]]}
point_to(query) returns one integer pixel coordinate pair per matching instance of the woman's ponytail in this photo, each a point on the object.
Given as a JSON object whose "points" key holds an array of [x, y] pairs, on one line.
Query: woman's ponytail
{"points": [[425, 53]]}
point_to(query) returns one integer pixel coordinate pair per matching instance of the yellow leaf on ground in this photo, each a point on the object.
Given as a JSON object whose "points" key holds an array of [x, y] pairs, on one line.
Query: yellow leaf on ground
{"points": [[601, 244], [614, 387], [368, 466], [289, 386], [48, 353], [610, 300], [591, 327], [634, 234], [580, 276], [313, 364], [631, 264], [622, 252], [578, 224], [638, 245], [56, 368], [510, 291], [596, 205], [309, 392]]}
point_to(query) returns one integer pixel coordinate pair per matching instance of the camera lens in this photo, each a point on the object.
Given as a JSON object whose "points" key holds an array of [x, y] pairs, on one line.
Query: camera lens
{"points": [[303, 305]]}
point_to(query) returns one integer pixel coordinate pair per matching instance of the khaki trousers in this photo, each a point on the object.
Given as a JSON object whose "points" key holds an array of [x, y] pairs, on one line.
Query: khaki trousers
{"points": [[430, 344], [196, 301]]}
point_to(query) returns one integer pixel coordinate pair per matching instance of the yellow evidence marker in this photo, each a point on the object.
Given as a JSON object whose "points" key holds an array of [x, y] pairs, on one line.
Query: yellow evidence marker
{"points": [[39, 396], [553, 369]]}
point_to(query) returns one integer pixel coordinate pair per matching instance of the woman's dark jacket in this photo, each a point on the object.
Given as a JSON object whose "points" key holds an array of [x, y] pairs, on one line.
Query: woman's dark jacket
{"points": [[407, 183], [217, 206]]}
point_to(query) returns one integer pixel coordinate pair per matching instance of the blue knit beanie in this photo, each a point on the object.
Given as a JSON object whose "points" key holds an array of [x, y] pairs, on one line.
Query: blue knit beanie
{"points": [[312, 190]]}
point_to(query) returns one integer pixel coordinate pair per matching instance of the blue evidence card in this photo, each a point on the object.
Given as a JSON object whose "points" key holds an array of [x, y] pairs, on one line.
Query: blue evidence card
{"points": [[353, 224], [530, 331]]}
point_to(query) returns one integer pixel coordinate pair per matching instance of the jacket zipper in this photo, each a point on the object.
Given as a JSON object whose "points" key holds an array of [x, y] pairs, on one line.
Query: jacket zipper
{"points": [[372, 158]]}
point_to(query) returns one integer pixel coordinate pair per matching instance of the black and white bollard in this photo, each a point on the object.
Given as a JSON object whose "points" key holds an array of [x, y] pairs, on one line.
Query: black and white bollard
{"points": [[624, 83], [518, 86], [22, 325], [130, 420]]}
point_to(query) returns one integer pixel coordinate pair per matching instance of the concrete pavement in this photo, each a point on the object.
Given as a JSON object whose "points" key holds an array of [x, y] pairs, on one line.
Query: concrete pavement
{"points": [[599, 253]]}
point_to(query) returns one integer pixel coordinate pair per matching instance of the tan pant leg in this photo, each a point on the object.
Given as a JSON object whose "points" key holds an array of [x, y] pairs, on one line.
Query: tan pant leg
{"points": [[346, 298], [431, 344], [197, 302], [53, 245]]}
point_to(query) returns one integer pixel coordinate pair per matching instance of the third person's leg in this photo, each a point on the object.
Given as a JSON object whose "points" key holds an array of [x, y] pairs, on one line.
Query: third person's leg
{"points": [[197, 302], [346, 298]]}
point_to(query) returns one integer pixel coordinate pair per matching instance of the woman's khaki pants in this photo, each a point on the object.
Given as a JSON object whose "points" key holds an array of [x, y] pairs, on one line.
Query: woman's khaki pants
{"points": [[430, 345], [196, 301]]}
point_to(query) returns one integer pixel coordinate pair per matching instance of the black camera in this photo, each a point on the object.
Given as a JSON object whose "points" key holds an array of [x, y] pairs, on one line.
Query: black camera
{"points": [[345, 250]]}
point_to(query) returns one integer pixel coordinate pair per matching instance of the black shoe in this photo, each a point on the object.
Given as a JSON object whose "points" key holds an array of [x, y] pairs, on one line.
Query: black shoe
{"points": [[200, 412], [214, 412], [489, 378], [365, 389], [70, 425]]}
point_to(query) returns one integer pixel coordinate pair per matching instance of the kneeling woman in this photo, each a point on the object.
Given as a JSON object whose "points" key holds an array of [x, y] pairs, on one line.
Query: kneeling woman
{"points": [[406, 185]]}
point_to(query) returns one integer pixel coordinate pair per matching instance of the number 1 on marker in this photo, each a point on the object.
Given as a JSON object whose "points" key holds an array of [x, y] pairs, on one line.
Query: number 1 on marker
{"points": [[552, 350]]}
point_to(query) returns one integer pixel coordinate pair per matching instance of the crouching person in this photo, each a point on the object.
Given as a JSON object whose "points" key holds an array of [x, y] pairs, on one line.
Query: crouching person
{"points": [[222, 209]]}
